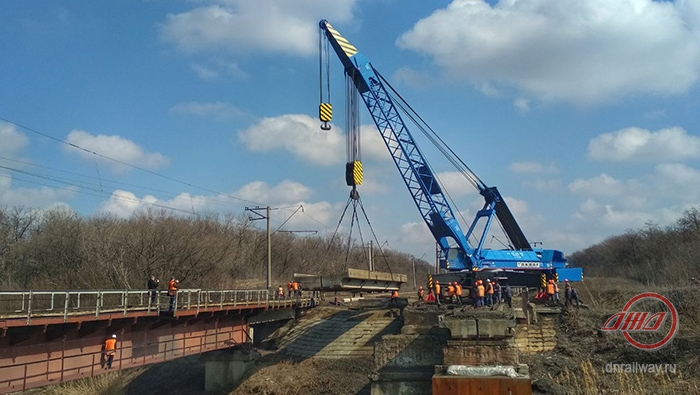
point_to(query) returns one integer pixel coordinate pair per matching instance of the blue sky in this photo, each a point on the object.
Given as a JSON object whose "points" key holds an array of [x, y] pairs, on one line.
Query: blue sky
{"points": [[583, 114]]}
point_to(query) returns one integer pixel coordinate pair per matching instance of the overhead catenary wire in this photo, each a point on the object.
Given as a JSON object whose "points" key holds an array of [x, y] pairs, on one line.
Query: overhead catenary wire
{"points": [[125, 163]]}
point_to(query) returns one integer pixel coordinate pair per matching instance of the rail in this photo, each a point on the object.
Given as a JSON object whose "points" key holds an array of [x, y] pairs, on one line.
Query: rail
{"points": [[35, 304]]}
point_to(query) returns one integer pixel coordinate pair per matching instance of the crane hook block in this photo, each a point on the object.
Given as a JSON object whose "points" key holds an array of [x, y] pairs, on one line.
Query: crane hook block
{"points": [[325, 114], [353, 173]]}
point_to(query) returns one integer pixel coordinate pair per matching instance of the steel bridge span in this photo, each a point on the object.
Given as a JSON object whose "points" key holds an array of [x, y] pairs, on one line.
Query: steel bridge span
{"points": [[49, 337]]}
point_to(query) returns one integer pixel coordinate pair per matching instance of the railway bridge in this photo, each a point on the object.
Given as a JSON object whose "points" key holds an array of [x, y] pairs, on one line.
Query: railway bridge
{"points": [[49, 337]]}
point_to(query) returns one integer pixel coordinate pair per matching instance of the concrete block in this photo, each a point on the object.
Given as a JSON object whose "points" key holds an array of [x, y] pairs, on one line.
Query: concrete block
{"points": [[403, 381], [407, 351], [460, 328], [496, 328], [478, 354]]}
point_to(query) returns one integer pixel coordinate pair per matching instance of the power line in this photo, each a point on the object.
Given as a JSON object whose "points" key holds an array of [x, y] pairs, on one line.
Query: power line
{"points": [[122, 162]]}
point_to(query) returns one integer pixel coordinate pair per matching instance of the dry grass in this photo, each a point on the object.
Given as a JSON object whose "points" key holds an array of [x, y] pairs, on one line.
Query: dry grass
{"points": [[593, 381], [114, 383]]}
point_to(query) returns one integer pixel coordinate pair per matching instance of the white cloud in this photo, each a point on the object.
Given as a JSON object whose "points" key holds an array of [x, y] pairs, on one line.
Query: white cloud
{"points": [[31, 197], [543, 185], [533, 168], [124, 203], [284, 198], [522, 104], [12, 140], [285, 192], [603, 185], [204, 72], [216, 110], [413, 78], [241, 26], [455, 183], [114, 147], [417, 235], [301, 135], [641, 145], [599, 50], [218, 68]]}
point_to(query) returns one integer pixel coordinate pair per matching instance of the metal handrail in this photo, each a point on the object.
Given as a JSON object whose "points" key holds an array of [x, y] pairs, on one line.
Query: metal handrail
{"points": [[32, 304]]}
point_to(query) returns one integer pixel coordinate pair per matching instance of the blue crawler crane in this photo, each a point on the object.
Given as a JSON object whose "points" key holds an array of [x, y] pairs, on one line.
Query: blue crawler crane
{"points": [[519, 263]]}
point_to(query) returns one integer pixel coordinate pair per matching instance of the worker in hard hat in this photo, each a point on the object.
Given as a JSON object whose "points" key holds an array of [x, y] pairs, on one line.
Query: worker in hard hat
{"points": [[110, 348], [567, 293], [438, 294], [394, 298], [458, 293], [489, 292], [479, 293], [450, 292], [550, 291], [421, 294]]}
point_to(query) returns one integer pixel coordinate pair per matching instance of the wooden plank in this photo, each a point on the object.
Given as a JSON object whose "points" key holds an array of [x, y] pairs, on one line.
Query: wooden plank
{"points": [[459, 385]]}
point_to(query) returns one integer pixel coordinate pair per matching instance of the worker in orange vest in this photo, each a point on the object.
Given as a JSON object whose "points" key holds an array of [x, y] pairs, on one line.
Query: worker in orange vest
{"points": [[489, 292], [556, 292], [394, 298], [550, 291], [479, 293], [295, 288], [280, 292], [458, 293], [173, 286], [421, 294], [289, 289], [110, 348], [438, 294], [450, 291]]}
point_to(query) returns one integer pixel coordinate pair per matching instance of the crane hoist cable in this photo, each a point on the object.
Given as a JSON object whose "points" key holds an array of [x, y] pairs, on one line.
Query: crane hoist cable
{"points": [[325, 109], [354, 200]]}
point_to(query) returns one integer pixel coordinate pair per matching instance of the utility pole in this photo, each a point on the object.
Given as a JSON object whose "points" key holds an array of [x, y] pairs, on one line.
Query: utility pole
{"points": [[437, 258], [413, 260], [370, 257], [269, 245]]}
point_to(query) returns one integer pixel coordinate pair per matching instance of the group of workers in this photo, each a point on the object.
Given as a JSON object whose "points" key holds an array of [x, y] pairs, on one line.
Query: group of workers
{"points": [[491, 293], [570, 294], [173, 286], [293, 290]]}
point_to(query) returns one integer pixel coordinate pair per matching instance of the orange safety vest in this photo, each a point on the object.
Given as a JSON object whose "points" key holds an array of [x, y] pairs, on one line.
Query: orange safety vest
{"points": [[295, 286], [458, 290], [480, 291], [394, 294], [280, 290], [450, 290], [437, 289], [172, 288], [489, 288], [289, 285], [110, 346], [550, 289]]}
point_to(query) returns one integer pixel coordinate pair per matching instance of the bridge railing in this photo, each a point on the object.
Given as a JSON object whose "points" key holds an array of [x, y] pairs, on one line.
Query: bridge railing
{"points": [[33, 304]]}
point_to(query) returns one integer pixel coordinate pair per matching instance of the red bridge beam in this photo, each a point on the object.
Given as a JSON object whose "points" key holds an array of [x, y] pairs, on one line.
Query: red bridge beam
{"points": [[143, 341]]}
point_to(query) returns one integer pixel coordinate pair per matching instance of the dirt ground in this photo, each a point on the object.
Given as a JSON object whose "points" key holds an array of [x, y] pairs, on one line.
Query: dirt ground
{"points": [[277, 375]]}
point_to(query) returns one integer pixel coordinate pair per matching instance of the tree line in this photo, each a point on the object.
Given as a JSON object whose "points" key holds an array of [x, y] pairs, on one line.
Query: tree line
{"points": [[58, 249], [650, 255]]}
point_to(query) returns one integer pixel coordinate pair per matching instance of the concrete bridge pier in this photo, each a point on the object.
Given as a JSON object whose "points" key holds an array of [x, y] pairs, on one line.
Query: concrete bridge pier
{"points": [[223, 369]]}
